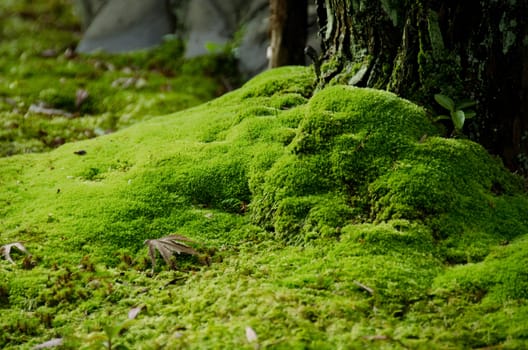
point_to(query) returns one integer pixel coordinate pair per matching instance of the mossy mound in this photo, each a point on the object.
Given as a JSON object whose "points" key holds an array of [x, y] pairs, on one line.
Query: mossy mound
{"points": [[371, 156], [338, 220], [153, 178]]}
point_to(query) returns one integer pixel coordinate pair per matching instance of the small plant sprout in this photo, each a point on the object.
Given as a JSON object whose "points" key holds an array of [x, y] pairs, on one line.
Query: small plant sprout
{"points": [[458, 114], [167, 246], [5, 250]]}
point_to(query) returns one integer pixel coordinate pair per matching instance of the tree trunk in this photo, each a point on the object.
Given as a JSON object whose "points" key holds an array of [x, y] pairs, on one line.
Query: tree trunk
{"points": [[288, 31], [473, 49]]}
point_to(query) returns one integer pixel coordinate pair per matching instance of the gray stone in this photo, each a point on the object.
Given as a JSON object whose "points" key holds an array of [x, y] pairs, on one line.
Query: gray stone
{"points": [[87, 10], [206, 26], [211, 24], [214, 23], [252, 52], [127, 25]]}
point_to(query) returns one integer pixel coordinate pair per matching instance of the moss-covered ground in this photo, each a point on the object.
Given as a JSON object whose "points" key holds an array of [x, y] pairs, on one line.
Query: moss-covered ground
{"points": [[331, 219], [92, 95]]}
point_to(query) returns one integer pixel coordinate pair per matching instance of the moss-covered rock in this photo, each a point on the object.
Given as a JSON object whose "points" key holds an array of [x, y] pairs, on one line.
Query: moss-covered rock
{"points": [[381, 156]]}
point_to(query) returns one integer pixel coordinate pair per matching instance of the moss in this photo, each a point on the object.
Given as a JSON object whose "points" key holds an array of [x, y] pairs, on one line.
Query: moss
{"points": [[218, 184], [348, 138], [117, 90], [268, 85], [495, 280], [338, 220], [391, 9], [435, 34]]}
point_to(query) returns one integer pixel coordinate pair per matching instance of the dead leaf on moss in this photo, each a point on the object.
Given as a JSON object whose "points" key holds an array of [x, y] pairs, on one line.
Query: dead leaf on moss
{"points": [[49, 344], [5, 250], [251, 335], [167, 246], [49, 53], [127, 82], [41, 108], [81, 95], [132, 314]]}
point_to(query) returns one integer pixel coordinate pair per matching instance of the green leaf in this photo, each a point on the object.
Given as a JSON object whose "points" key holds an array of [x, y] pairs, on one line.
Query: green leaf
{"points": [[465, 104], [213, 48], [470, 114], [126, 324], [111, 331], [458, 118], [441, 117], [445, 102]]}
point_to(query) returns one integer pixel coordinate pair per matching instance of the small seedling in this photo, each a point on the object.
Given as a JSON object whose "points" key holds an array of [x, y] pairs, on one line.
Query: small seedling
{"points": [[458, 114]]}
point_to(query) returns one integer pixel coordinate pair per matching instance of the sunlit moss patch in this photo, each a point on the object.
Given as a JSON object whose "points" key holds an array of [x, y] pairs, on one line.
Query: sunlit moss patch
{"points": [[334, 219]]}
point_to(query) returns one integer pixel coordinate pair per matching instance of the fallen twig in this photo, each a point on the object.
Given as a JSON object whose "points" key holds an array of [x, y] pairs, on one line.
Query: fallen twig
{"points": [[42, 109], [364, 287]]}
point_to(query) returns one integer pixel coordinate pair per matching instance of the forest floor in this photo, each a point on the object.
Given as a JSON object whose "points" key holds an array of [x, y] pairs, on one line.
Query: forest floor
{"points": [[334, 219], [49, 95]]}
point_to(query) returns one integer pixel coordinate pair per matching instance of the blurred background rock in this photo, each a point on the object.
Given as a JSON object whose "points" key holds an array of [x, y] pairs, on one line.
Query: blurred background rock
{"points": [[206, 27]]}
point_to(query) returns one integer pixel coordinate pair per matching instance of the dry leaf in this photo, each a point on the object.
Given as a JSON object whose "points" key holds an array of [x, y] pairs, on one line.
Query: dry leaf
{"points": [[49, 344], [5, 250], [42, 109], [81, 95], [140, 83], [251, 335], [49, 53], [167, 246], [124, 82], [376, 337], [132, 314]]}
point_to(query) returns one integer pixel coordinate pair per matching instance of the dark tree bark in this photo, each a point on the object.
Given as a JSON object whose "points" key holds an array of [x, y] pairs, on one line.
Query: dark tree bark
{"points": [[472, 49], [288, 31]]}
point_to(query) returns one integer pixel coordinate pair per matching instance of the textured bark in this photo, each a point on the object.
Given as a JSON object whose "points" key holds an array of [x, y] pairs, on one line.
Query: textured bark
{"points": [[288, 32], [473, 49]]}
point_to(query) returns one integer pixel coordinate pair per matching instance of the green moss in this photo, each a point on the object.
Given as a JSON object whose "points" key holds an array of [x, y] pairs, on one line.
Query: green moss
{"points": [[338, 220], [435, 34], [391, 9], [348, 138], [268, 85], [95, 94], [495, 280]]}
